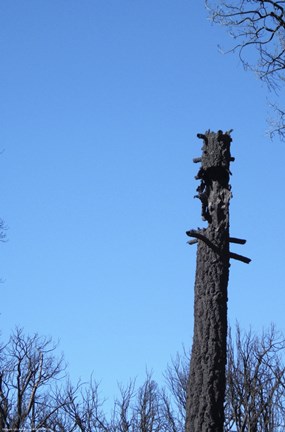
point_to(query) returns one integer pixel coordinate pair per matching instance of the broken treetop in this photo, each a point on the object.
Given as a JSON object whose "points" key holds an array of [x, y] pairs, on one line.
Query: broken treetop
{"points": [[213, 156], [214, 193]]}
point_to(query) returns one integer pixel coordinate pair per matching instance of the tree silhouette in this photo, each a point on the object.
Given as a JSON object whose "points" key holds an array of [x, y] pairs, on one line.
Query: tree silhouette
{"points": [[257, 25], [206, 386]]}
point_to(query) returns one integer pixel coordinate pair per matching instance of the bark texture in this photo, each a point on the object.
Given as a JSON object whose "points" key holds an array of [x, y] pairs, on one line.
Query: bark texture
{"points": [[206, 386]]}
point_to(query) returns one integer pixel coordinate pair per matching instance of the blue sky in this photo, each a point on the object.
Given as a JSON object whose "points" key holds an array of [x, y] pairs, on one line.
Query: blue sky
{"points": [[101, 101]]}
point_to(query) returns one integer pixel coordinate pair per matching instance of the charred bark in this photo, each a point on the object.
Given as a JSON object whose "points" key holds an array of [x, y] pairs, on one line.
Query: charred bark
{"points": [[206, 386]]}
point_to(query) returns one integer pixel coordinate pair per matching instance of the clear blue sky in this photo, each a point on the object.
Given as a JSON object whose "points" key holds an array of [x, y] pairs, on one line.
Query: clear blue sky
{"points": [[100, 104]]}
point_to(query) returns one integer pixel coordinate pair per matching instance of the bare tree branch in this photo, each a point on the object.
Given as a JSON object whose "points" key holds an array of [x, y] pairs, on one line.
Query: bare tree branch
{"points": [[258, 29]]}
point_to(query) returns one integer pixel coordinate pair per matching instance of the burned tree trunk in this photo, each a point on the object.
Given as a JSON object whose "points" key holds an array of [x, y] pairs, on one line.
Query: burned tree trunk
{"points": [[206, 386]]}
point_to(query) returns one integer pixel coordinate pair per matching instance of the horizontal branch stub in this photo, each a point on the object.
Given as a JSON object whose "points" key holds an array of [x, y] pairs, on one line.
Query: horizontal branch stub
{"points": [[232, 159], [240, 258], [197, 160], [192, 242], [202, 136], [194, 233], [237, 240], [199, 236]]}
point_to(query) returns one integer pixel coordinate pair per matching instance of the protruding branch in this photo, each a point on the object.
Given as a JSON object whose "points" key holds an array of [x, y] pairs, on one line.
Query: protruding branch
{"points": [[237, 240], [232, 159], [198, 235], [192, 242], [197, 160], [240, 258], [195, 234], [202, 136]]}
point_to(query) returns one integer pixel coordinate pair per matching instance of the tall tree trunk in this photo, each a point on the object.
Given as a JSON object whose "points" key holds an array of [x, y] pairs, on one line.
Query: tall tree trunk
{"points": [[206, 387]]}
